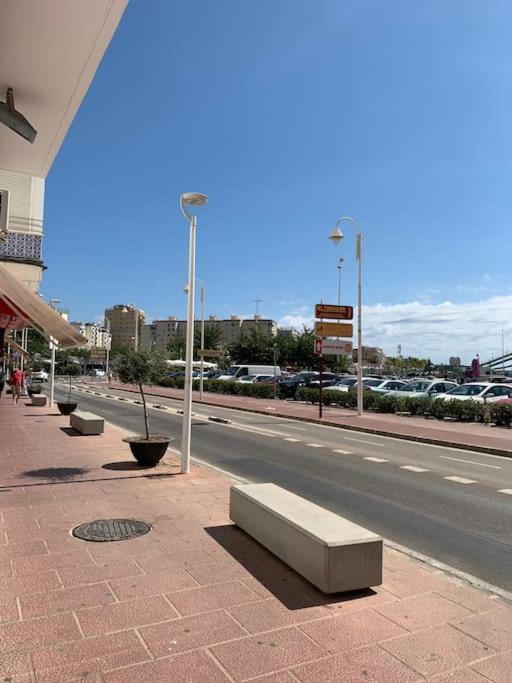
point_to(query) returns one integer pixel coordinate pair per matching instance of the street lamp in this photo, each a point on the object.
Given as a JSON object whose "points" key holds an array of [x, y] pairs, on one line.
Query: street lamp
{"points": [[189, 199], [336, 236], [53, 304], [340, 263]]}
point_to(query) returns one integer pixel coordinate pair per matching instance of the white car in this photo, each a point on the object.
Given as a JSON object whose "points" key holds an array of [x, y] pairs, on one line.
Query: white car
{"points": [[424, 388], [482, 392], [343, 384], [382, 386], [39, 376], [253, 379]]}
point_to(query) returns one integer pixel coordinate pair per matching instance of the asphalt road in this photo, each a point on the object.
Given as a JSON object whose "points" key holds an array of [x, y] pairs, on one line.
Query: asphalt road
{"points": [[453, 505]]}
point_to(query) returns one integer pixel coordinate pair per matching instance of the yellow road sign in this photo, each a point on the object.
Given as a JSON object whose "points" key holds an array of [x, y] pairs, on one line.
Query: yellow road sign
{"points": [[334, 329]]}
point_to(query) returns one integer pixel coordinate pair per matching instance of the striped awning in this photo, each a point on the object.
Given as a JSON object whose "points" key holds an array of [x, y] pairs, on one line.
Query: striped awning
{"points": [[20, 308]]}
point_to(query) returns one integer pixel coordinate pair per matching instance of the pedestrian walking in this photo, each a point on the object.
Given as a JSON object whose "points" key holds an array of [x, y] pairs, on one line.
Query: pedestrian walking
{"points": [[2, 382], [17, 382]]}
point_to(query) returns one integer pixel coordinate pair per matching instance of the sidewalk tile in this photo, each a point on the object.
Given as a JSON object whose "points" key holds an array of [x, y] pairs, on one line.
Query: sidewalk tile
{"points": [[280, 677], [355, 601], [33, 583], [58, 628], [394, 561], [492, 628], [220, 572], [134, 613], [269, 615], [152, 584], [15, 667], [412, 582], [262, 654], [190, 632], [27, 549], [209, 598], [497, 669], [463, 675], [193, 667], [470, 598], [8, 609], [370, 664], [422, 611], [94, 574], [179, 560], [343, 633], [436, 650], [87, 657], [65, 599], [23, 566]]}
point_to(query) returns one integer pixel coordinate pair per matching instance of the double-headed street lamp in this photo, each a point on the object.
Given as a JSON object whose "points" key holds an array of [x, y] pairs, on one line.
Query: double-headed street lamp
{"points": [[336, 236], [189, 199]]}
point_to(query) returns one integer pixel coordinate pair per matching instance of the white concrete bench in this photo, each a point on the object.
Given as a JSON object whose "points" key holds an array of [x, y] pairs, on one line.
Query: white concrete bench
{"points": [[38, 399], [87, 423], [331, 552]]}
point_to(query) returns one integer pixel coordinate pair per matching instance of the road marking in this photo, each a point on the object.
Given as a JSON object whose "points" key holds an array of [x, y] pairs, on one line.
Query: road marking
{"points": [[507, 491], [471, 462], [372, 443], [460, 480], [289, 438], [372, 459], [338, 450], [315, 445], [412, 468]]}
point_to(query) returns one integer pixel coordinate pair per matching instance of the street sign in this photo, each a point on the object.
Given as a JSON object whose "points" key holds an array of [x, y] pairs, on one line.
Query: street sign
{"points": [[318, 346], [97, 355], [211, 353], [336, 348], [333, 329], [334, 312]]}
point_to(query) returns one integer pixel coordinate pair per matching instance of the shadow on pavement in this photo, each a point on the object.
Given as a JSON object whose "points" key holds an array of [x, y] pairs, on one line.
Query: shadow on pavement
{"points": [[284, 583], [55, 473]]}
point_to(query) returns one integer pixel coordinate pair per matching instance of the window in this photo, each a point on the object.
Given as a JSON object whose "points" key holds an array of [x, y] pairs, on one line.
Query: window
{"points": [[437, 388]]}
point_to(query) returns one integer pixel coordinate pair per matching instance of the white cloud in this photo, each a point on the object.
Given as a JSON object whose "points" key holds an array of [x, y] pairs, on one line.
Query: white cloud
{"points": [[437, 331]]}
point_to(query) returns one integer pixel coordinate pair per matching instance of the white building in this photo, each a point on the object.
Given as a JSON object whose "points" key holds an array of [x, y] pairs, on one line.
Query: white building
{"points": [[97, 337]]}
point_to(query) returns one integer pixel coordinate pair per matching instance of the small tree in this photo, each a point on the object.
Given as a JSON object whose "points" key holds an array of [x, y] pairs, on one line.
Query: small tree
{"points": [[140, 368]]}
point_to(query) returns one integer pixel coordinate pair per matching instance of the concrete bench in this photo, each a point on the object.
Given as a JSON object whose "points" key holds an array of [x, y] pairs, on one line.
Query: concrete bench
{"points": [[87, 423], [331, 552], [38, 399]]}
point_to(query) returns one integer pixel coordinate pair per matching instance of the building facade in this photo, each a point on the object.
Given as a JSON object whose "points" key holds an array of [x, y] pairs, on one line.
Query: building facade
{"points": [[125, 323], [97, 337], [161, 333]]}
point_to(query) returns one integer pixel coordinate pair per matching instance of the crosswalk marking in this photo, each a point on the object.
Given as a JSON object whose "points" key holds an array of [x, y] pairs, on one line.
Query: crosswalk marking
{"points": [[412, 468], [338, 450], [460, 480], [315, 445], [372, 459], [292, 440], [508, 491]]}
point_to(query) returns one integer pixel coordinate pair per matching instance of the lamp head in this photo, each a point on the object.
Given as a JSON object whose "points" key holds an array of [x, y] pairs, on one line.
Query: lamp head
{"points": [[194, 199], [336, 235]]}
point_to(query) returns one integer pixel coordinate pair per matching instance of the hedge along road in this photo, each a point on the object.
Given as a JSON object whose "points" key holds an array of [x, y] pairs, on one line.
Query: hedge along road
{"points": [[450, 505]]}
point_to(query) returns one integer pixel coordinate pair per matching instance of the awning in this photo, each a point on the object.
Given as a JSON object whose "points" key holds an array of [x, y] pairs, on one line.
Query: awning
{"points": [[14, 345], [20, 307]]}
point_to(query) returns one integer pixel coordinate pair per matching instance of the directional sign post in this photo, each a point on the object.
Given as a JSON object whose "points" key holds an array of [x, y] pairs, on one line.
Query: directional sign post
{"points": [[336, 348], [334, 329], [318, 348], [334, 312]]}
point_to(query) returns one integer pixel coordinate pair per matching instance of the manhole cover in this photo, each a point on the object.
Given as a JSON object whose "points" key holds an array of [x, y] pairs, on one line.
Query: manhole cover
{"points": [[111, 530]]}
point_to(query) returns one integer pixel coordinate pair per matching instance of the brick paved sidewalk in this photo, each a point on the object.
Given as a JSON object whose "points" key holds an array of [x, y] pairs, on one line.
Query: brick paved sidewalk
{"points": [[458, 435], [196, 599]]}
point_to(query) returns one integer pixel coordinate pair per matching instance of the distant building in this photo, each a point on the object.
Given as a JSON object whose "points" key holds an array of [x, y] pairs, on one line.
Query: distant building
{"points": [[97, 337], [125, 323], [455, 362], [372, 355], [161, 333]]}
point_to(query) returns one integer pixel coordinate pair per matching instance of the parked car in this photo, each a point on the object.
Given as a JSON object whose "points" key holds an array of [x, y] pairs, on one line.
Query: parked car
{"points": [[328, 379], [478, 391], [382, 386], [39, 376], [344, 384], [288, 387], [254, 379], [423, 388], [238, 371]]}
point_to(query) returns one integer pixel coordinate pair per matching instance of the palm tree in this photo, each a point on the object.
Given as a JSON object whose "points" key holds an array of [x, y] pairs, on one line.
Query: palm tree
{"points": [[212, 338]]}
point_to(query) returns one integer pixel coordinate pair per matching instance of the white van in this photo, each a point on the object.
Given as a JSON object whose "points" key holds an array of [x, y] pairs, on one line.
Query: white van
{"points": [[237, 371]]}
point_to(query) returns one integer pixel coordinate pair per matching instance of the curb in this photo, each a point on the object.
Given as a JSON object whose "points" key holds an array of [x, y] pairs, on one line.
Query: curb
{"points": [[354, 428]]}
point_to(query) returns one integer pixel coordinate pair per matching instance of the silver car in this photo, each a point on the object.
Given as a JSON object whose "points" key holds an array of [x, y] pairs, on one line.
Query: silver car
{"points": [[424, 388]]}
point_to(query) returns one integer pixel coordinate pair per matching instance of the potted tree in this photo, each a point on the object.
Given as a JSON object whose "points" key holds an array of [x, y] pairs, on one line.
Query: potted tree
{"points": [[69, 406], [140, 368]]}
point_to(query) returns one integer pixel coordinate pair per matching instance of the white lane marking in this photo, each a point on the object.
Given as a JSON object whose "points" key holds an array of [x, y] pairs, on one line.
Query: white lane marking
{"points": [[412, 468], [315, 445], [338, 450], [289, 438], [372, 443], [372, 459], [471, 462], [460, 480], [508, 491]]}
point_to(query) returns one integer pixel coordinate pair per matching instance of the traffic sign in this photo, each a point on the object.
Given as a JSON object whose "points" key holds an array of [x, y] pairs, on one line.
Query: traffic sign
{"points": [[336, 348], [318, 347], [334, 312], [334, 329], [211, 353]]}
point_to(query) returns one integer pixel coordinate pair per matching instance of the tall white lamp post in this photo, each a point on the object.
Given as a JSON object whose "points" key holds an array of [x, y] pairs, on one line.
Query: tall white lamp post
{"points": [[189, 199], [201, 378], [336, 236], [53, 304]]}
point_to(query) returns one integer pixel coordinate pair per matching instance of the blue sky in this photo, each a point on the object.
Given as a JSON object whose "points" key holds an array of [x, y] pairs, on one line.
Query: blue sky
{"points": [[288, 114]]}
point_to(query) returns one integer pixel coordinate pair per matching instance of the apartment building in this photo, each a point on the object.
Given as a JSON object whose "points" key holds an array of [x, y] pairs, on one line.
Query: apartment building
{"points": [[97, 337], [125, 323]]}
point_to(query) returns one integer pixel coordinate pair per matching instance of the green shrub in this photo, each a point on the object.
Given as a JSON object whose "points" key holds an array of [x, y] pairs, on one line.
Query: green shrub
{"points": [[501, 414], [308, 394], [385, 403]]}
